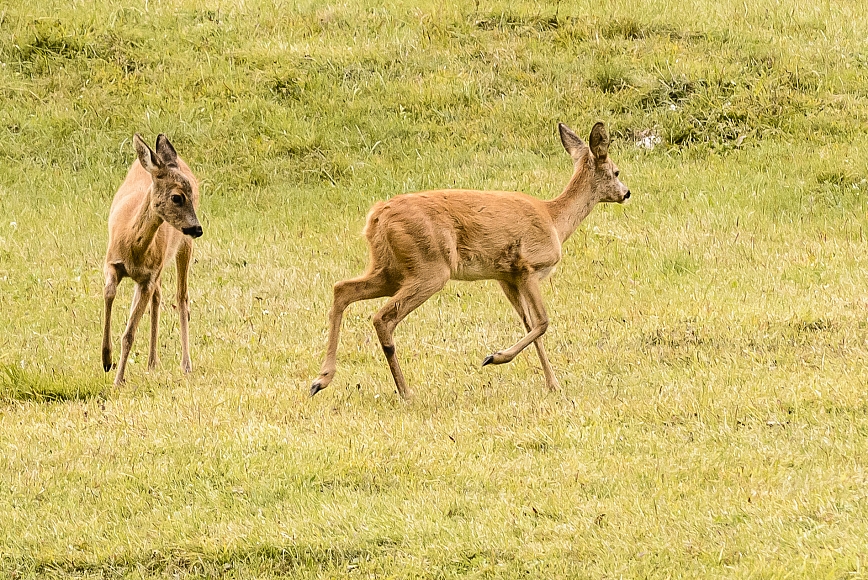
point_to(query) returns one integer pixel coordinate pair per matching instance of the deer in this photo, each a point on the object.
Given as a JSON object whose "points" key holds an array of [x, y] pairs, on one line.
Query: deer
{"points": [[419, 241], [151, 221]]}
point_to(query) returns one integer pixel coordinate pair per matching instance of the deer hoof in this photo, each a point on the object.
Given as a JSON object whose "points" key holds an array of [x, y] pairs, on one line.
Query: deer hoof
{"points": [[408, 396], [107, 366], [488, 360], [316, 387]]}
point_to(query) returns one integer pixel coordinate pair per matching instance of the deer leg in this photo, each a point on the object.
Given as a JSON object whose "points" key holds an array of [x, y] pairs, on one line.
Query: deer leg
{"points": [[111, 288], [413, 292], [155, 325], [528, 289], [373, 285], [141, 298], [515, 299], [182, 262]]}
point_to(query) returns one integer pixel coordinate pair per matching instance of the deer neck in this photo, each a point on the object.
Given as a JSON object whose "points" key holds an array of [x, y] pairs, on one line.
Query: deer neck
{"points": [[574, 204], [145, 226]]}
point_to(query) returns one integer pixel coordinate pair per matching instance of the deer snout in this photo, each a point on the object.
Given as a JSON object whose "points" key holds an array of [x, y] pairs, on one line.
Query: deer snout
{"points": [[193, 231], [627, 195]]}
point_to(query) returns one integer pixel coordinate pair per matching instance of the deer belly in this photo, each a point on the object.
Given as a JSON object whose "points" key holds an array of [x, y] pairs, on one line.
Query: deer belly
{"points": [[469, 271]]}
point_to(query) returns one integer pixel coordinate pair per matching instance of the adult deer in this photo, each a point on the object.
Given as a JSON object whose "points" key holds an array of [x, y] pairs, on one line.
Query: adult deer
{"points": [[152, 220], [419, 241]]}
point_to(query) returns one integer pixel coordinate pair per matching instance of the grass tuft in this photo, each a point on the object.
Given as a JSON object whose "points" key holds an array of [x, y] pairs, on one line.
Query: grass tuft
{"points": [[611, 77], [17, 384]]}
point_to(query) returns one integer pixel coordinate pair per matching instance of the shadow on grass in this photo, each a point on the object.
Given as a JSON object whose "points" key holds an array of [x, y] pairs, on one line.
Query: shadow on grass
{"points": [[281, 561], [17, 384], [258, 561]]}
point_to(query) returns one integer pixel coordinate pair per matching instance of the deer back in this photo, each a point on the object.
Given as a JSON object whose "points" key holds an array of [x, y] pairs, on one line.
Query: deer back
{"points": [[477, 234]]}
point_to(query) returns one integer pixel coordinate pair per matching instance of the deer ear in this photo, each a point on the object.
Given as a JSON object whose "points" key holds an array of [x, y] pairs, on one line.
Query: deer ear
{"points": [[147, 158], [572, 143], [167, 153], [599, 142]]}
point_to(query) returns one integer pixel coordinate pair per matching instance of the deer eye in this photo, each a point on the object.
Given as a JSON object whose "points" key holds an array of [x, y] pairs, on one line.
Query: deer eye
{"points": [[178, 199], [617, 172]]}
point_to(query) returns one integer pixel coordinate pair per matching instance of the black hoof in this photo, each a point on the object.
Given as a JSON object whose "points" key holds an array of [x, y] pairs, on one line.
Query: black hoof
{"points": [[488, 360], [315, 388]]}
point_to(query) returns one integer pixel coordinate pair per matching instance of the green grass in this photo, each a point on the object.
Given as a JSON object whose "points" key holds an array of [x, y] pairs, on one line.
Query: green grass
{"points": [[710, 335]]}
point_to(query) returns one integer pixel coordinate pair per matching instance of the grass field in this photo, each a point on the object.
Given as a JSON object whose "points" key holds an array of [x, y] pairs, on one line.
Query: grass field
{"points": [[710, 335]]}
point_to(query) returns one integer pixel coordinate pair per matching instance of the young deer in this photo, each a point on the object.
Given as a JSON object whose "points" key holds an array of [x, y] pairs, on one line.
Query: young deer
{"points": [[419, 241], [152, 220]]}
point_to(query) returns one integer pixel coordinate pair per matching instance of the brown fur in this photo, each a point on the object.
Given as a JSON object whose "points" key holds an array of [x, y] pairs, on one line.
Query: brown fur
{"points": [[419, 241], [155, 202]]}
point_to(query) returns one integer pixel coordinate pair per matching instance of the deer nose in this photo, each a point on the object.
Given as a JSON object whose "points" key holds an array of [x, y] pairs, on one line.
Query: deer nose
{"points": [[627, 195], [193, 231]]}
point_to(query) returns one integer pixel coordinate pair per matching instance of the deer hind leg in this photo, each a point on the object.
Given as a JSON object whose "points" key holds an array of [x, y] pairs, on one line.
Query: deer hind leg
{"points": [[413, 292], [155, 325], [528, 289], [182, 262], [111, 287], [515, 299], [373, 285], [141, 298]]}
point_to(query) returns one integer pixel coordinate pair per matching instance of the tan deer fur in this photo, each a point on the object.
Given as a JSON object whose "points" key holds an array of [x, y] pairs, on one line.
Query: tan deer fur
{"points": [[419, 241], [152, 220]]}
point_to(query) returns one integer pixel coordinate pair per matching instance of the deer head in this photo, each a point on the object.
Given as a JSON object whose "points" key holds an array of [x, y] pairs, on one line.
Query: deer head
{"points": [[171, 194], [605, 183]]}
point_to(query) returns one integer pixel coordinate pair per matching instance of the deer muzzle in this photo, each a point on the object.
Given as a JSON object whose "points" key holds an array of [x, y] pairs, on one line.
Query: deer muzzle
{"points": [[193, 231]]}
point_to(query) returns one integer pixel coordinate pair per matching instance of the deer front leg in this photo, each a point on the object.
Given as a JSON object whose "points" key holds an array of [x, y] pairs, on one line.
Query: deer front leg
{"points": [[515, 299], [155, 325], [141, 297], [111, 288], [182, 262], [528, 289]]}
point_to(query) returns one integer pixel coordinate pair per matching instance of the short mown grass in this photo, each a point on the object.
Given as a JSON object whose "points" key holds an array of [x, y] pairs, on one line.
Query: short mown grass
{"points": [[710, 335]]}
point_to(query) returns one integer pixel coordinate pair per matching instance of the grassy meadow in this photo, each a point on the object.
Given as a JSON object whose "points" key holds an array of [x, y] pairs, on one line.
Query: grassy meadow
{"points": [[710, 335]]}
